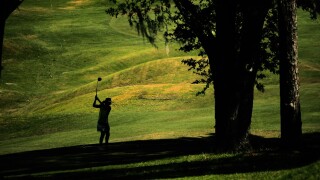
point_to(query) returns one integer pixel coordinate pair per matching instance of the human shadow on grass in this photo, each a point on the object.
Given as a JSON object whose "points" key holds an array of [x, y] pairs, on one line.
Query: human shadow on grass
{"points": [[264, 156]]}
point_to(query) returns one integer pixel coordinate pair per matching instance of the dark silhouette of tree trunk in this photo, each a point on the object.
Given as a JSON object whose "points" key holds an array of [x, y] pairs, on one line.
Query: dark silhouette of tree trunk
{"points": [[291, 130], [235, 74], [6, 8], [2, 24], [254, 14], [224, 74]]}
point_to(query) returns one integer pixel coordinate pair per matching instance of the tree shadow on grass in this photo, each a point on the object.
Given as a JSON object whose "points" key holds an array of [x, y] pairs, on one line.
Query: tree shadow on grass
{"points": [[59, 163]]}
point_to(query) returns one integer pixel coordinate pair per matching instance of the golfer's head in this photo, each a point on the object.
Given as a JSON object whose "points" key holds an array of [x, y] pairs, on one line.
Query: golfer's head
{"points": [[107, 100]]}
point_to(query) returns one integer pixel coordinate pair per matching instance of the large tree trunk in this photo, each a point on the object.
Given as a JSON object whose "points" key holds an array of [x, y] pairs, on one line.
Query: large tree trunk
{"points": [[235, 73], [2, 24], [291, 125], [6, 8], [254, 14], [224, 72]]}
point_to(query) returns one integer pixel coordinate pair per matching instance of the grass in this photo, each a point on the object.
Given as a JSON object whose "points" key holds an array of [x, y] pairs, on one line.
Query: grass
{"points": [[181, 158], [53, 53]]}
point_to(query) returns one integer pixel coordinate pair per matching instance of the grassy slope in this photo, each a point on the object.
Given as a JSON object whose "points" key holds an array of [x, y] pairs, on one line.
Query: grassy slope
{"points": [[80, 45], [54, 53]]}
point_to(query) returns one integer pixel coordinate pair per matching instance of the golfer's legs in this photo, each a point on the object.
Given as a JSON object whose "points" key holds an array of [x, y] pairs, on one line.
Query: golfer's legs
{"points": [[107, 136], [102, 136]]}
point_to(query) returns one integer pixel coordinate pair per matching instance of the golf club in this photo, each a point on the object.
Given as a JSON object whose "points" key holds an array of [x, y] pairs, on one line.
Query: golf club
{"points": [[99, 79]]}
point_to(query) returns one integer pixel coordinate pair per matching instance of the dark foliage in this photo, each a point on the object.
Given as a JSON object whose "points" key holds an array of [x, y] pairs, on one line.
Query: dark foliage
{"points": [[312, 6], [150, 17]]}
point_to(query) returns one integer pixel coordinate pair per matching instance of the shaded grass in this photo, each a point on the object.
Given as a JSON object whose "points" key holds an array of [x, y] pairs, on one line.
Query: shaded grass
{"points": [[167, 158]]}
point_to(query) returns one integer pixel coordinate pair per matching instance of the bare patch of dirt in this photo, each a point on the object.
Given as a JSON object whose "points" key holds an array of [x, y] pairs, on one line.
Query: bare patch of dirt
{"points": [[312, 67], [11, 47], [76, 3]]}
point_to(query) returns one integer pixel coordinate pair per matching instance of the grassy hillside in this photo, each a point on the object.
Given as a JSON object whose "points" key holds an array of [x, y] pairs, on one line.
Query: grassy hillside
{"points": [[53, 55], [54, 51]]}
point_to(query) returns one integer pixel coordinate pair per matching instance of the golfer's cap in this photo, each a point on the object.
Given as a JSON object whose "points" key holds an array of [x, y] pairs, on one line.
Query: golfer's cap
{"points": [[108, 100]]}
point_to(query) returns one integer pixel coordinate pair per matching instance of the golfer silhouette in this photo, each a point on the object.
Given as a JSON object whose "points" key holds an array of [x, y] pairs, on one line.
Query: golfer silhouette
{"points": [[103, 124]]}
